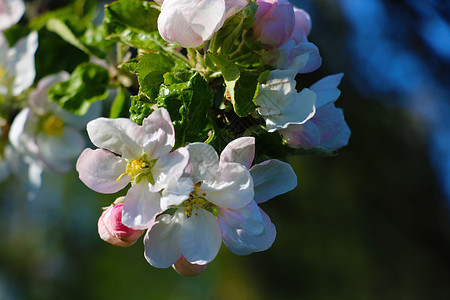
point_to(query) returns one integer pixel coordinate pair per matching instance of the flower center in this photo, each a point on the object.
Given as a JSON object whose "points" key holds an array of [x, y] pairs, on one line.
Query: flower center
{"points": [[196, 201], [138, 169], [53, 125]]}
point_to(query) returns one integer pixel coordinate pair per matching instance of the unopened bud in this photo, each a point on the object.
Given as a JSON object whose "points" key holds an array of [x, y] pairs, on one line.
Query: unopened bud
{"points": [[185, 268], [112, 230]]}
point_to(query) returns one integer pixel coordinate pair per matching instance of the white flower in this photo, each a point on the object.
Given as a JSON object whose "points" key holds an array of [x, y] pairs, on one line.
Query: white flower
{"points": [[327, 129], [193, 230], [249, 229], [10, 12], [279, 102], [144, 161], [46, 132], [189, 23], [17, 70]]}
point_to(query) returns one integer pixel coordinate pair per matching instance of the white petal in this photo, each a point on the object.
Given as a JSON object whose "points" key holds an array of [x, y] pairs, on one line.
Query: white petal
{"points": [[121, 136], [99, 169], [334, 131], [326, 89], [169, 167], [38, 97], [247, 218], [200, 238], [160, 133], [272, 178], [140, 206], [305, 136], [232, 186], [58, 151], [176, 192], [203, 161], [22, 132], [10, 12], [21, 63], [162, 242], [241, 151], [243, 242]]}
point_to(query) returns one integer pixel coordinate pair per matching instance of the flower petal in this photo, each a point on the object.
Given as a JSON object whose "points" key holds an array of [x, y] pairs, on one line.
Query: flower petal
{"points": [[141, 206], [21, 63], [272, 178], [160, 133], [10, 13], [241, 151], [232, 186], [176, 192], [243, 242], [38, 97], [121, 136], [200, 238], [99, 169], [203, 161], [326, 89], [162, 241], [22, 132], [247, 218], [334, 131], [58, 151], [169, 167], [305, 136]]}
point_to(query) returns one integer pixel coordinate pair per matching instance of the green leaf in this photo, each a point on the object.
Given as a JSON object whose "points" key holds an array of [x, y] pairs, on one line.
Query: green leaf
{"points": [[242, 86], [139, 109], [188, 103], [87, 84], [151, 69], [120, 107], [134, 23], [232, 30], [88, 39]]}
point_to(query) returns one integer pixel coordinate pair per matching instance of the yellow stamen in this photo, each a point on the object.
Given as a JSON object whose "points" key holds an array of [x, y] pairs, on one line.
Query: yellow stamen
{"points": [[53, 125], [134, 168]]}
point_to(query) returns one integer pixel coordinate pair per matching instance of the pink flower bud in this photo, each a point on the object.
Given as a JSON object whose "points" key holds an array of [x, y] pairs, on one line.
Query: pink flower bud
{"points": [[112, 230], [185, 268], [274, 22], [302, 26]]}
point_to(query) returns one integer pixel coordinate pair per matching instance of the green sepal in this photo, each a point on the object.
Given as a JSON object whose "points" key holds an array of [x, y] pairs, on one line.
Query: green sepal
{"points": [[88, 83]]}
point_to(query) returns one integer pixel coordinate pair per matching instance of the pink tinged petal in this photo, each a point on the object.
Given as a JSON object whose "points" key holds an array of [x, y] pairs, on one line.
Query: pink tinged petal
{"points": [[58, 151], [162, 241], [326, 89], [21, 63], [203, 161], [306, 136], [160, 135], [334, 131], [38, 97], [243, 242], [10, 12], [190, 23], [141, 206], [247, 218], [176, 192], [169, 167], [240, 150], [231, 188], [22, 132], [99, 169], [200, 238], [185, 268], [314, 59], [121, 136], [272, 178], [112, 230], [302, 20]]}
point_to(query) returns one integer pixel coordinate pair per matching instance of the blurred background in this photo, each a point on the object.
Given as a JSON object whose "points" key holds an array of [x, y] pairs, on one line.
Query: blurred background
{"points": [[370, 223]]}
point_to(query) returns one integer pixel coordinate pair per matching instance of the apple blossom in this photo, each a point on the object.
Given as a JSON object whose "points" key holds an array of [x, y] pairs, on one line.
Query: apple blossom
{"points": [[112, 230], [185, 268], [327, 128], [193, 230], [274, 22], [249, 229], [279, 102], [46, 132], [17, 70], [143, 159], [190, 23], [10, 12]]}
